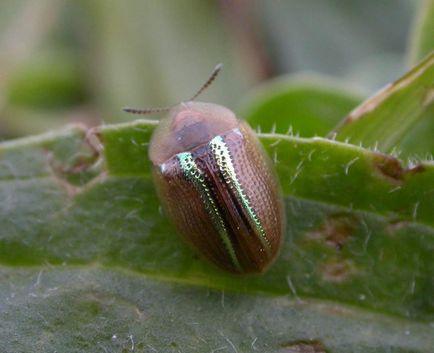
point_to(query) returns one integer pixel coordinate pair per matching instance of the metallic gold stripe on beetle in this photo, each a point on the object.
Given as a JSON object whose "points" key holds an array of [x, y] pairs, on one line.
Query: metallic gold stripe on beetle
{"points": [[192, 172], [224, 161]]}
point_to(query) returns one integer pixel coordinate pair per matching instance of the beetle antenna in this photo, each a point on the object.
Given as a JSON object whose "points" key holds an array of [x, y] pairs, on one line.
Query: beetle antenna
{"points": [[145, 111], [208, 82]]}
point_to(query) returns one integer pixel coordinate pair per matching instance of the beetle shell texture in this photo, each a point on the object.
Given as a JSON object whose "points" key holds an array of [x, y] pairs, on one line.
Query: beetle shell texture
{"points": [[218, 186]]}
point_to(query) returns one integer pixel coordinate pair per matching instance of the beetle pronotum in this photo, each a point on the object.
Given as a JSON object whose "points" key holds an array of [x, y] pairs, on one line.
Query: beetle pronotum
{"points": [[217, 184]]}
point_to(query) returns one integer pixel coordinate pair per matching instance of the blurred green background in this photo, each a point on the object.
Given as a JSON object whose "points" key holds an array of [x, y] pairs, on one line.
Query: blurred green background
{"points": [[64, 61]]}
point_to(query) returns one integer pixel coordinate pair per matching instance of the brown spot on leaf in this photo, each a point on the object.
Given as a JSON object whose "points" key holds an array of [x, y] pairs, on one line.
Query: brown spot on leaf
{"points": [[304, 346], [391, 168], [337, 270], [335, 231]]}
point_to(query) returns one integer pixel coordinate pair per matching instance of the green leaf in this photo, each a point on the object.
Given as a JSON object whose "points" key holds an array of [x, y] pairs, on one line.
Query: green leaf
{"points": [[306, 104], [89, 263], [418, 143], [78, 309], [385, 119], [422, 38]]}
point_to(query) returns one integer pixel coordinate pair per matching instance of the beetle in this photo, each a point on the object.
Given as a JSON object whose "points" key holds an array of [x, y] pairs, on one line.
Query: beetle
{"points": [[217, 184]]}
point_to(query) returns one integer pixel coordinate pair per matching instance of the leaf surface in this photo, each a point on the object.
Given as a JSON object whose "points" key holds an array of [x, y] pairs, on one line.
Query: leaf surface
{"points": [[89, 262]]}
